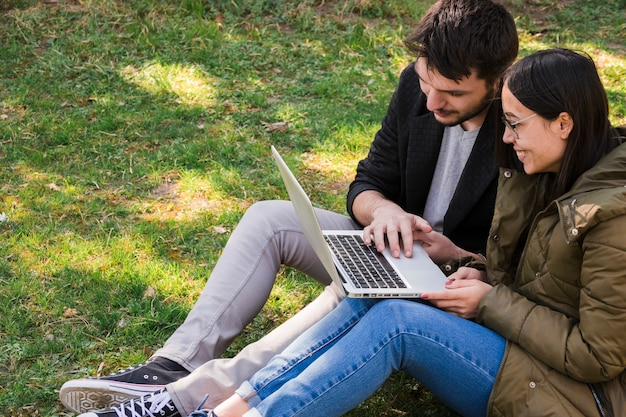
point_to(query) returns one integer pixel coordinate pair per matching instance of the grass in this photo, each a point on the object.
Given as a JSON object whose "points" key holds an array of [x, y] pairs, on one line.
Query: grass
{"points": [[134, 134]]}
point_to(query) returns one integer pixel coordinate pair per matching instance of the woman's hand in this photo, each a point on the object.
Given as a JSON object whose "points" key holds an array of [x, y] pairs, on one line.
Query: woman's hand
{"points": [[463, 293], [465, 272], [439, 247]]}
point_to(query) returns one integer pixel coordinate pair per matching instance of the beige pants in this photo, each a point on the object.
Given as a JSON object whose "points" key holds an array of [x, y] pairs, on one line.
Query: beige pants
{"points": [[268, 236]]}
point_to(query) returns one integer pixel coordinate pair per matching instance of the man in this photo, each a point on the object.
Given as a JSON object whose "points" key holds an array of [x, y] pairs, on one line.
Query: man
{"points": [[430, 164]]}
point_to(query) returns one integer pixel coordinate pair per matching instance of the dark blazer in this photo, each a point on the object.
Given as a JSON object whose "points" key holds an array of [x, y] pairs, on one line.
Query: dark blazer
{"points": [[402, 160]]}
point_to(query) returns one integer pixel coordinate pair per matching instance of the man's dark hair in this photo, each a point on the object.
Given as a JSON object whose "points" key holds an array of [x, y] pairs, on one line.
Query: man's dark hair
{"points": [[458, 36]]}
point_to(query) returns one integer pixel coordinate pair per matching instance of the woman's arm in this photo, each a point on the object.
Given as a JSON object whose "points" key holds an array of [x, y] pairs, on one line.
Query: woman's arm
{"points": [[589, 349]]}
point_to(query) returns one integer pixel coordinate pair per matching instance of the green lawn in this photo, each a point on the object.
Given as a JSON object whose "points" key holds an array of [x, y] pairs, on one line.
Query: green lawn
{"points": [[134, 134]]}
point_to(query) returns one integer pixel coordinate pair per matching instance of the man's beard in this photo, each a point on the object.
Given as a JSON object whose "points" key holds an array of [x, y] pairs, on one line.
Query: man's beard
{"points": [[473, 112]]}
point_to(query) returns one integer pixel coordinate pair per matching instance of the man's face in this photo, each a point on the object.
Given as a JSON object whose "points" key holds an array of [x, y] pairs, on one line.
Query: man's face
{"points": [[463, 102]]}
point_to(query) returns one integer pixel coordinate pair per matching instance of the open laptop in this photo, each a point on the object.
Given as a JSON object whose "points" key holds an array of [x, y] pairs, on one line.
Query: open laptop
{"points": [[359, 269]]}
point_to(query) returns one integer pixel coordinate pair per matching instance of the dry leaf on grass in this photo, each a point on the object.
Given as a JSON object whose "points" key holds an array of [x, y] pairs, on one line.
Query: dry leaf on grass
{"points": [[70, 312], [149, 292], [276, 127]]}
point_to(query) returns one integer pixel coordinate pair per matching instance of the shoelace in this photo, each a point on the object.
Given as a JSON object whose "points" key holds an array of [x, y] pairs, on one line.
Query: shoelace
{"points": [[203, 413], [144, 406]]}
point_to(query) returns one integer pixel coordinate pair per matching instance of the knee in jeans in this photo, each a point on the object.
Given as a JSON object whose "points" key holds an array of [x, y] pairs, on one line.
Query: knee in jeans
{"points": [[391, 306], [396, 311]]}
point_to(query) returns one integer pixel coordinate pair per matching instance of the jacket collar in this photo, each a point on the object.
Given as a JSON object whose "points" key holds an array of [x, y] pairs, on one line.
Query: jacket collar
{"points": [[599, 194]]}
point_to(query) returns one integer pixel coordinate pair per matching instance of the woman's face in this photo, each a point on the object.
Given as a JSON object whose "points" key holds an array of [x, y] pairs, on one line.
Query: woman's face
{"points": [[538, 143]]}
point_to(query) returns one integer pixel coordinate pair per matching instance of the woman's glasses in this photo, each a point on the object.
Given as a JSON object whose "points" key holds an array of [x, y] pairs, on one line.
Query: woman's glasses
{"points": [[512, 125]]}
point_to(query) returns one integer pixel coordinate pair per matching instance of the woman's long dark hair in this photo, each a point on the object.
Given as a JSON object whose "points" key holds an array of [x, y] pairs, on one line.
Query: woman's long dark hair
{"points": [[553, 81]]}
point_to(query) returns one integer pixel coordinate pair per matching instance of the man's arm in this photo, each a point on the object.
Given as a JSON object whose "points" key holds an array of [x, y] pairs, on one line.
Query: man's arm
{"points": [[376, 192], [383, 168]]}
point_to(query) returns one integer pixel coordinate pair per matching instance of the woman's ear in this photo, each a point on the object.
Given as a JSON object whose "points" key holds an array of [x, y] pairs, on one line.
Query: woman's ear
{"points": [[565, 125]]}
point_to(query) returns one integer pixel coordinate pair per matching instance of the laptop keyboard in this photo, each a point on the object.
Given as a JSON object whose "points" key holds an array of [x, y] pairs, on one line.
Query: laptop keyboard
{"points": [[367, 267]]}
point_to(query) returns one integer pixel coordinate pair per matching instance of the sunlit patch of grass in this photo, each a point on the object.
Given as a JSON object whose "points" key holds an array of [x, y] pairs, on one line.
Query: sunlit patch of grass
{"points": [[186, 199], [187, 83]]}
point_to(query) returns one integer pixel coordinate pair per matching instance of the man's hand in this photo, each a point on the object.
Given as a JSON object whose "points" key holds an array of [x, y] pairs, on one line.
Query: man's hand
{"points": [[388, 224], [463, 293], [397, 226]]}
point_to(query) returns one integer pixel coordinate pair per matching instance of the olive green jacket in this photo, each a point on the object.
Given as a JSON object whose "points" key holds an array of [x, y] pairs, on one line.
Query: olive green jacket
{"points": [[563, 309]]}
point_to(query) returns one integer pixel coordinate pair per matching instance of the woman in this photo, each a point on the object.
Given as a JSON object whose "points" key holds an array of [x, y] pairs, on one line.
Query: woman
{"points": [[538, 329]]}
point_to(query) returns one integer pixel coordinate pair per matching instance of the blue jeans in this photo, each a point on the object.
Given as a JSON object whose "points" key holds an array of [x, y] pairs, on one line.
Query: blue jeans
{"points": [[343, 359]]}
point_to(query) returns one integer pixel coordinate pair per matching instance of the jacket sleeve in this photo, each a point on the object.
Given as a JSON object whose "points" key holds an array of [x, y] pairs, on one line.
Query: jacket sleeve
{"points": [[381, 170], [590, 349]]}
